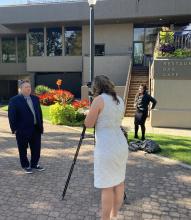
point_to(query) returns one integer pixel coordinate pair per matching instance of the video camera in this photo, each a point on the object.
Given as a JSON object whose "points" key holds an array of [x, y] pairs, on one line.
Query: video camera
{"points": [[90, 93]]}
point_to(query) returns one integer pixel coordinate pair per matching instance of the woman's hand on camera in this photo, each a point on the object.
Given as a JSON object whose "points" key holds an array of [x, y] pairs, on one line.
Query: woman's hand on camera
{"points": [[86, 112]]}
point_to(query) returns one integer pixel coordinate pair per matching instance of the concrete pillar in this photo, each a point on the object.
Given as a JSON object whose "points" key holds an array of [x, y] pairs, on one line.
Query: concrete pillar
{"points": [[45, 47]]}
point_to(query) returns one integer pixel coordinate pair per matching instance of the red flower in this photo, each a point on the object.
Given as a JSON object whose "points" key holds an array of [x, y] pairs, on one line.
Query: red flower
{"points": [[59, 82], [47, 99], [80, 104]]}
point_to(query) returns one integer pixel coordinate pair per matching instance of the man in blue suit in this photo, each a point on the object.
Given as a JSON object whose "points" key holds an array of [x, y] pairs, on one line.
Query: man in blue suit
{"points": [[26, 122]]}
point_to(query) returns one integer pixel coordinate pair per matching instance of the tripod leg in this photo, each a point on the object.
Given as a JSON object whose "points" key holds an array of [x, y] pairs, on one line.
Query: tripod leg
{"points": [[125, 196], [125, 200], [74, 161]]}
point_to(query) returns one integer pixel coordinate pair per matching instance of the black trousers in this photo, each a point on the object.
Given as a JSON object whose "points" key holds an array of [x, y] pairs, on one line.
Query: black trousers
{"points": [[140, 118], [34, 141]]}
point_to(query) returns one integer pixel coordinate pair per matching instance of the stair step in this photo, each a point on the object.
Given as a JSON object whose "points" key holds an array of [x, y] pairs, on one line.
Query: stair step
{"points": [[139, 75], [130, 108], [138, 78], [129, 115]]}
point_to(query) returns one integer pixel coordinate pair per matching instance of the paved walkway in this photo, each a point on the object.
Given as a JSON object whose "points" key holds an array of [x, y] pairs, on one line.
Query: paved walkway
{"points": [[128, 122], [156, 189]]}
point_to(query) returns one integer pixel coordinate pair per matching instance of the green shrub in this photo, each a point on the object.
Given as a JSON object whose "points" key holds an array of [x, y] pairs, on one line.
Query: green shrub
{"points": [[178, 53], [69, 114], [40, 89], [65, 115], [80, 116], [166, 37], [56, 113]]}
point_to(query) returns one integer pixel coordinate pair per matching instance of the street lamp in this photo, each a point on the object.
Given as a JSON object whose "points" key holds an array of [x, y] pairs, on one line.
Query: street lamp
{"points": [[92, 3]]}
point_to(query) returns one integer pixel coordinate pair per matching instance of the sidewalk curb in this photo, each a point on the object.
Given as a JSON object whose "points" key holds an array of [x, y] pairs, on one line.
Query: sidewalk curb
{"points": [[170, 161]]}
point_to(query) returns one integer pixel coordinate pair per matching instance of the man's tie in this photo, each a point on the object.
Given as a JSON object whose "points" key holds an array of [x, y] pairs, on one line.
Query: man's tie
{"points": [[30, 104]]}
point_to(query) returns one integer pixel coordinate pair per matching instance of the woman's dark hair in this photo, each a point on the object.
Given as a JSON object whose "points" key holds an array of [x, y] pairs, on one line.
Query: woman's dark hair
{"points": [[144, 87], [102, 84]]}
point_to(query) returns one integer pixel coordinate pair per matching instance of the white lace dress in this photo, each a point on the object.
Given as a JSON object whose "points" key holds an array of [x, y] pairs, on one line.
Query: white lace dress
{"points": [[111, 150]]}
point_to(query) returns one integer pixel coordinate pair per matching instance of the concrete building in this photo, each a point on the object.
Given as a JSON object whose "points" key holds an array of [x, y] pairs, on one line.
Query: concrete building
{"points": [[44, 42]]}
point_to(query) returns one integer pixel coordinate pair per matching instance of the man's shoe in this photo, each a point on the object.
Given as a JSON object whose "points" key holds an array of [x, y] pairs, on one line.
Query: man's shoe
{"points": [[27, 170], [143, 138], [38, 168]]}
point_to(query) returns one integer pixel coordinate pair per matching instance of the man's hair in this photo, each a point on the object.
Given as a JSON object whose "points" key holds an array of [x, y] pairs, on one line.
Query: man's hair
{"points": [[21, 82]]}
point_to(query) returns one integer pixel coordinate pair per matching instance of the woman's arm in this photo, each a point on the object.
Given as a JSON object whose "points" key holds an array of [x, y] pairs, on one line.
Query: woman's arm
{"points": [[154, 102], [135, 101], [96, 107]]}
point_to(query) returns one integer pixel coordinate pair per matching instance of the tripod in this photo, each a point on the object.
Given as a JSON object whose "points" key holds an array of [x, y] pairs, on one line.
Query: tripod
{"points": [[74, 162]]}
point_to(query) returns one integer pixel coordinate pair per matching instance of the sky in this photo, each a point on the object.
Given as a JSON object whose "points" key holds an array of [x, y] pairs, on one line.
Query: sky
{"points": [[12, 2]]}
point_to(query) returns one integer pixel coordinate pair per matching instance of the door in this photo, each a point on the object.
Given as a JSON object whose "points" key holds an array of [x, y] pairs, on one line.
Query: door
{"points": [[138, 53]]}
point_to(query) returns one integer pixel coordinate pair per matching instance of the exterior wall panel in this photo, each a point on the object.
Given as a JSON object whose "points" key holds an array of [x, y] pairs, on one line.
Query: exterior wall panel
{"points": [[172, 93], [124, 9], [115, 67], [54, 64], [13, 69]]}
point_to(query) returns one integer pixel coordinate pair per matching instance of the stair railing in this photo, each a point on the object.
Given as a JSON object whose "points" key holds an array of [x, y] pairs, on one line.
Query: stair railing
{"points": [[127, 86]]}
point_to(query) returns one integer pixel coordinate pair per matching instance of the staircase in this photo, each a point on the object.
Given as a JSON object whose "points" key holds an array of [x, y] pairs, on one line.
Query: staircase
{"points": [[139, 75]]}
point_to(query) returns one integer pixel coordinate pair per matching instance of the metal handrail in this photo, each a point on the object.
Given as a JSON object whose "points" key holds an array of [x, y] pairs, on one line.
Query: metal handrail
{"points": [[127, 86], [149, 77]]}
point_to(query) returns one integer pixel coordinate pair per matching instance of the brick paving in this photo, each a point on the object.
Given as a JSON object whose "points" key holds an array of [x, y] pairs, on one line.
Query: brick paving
{"points": [[156, 189]]}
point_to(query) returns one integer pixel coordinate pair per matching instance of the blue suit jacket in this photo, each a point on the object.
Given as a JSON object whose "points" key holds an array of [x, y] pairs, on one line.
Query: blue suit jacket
{"points": [[21, 118]]}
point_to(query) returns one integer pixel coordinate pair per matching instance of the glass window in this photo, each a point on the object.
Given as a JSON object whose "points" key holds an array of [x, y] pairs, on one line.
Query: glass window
{"points": [[182, 27], [54, 41], [139, 34], [151, 34], [73, 41], [138, 53], [22, 49], [99, 50], [36, 42], [149, 48], [8, 50]]}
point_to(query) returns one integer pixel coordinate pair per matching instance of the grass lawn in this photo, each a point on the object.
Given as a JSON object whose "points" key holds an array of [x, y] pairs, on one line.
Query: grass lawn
{"points": [[175, 147], [5, 108], [45, 111]]}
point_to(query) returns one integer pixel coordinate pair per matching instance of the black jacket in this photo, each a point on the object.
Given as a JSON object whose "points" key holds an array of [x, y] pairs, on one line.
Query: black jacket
{"points": [[142, 102], [21, 118]]}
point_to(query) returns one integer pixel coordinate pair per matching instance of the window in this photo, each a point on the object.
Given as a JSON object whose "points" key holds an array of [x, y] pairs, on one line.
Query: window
{"points": [[151, 34], [150, 39], [73, 41], [8, 50], [99, 50], [36, 42], [54, 41], [139, 34], [22, 49]]}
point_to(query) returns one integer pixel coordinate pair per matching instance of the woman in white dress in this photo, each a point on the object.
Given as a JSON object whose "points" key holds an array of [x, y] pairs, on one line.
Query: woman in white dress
{"points": [[111, 150]]}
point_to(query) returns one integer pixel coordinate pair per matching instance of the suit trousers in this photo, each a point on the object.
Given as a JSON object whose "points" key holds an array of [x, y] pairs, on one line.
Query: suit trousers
{"points": [[34, 141]]}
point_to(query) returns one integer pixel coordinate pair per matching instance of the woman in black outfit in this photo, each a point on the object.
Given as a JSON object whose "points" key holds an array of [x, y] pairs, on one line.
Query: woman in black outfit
{"points": [[142, 100]]}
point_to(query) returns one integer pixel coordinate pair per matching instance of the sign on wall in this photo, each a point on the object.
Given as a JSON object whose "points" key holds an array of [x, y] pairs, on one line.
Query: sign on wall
{"points": [[173, 69]]}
